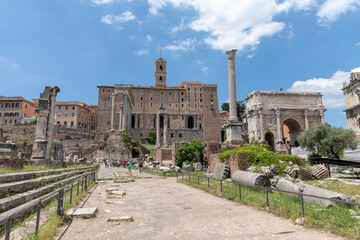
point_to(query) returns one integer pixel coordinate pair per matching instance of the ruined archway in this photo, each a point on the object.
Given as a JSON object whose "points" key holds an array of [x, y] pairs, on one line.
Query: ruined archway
{"points": [[269, 138], [291, 130]]}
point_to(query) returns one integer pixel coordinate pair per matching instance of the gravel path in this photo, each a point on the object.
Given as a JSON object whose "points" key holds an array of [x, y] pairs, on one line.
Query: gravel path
{"points": [[108, 173], [164, 209]]}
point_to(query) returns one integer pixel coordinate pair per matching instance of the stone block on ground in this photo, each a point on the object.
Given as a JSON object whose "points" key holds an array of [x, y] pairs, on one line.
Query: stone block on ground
{"points": [[121, 219], [82, 212], [320, 192], [320, 171], [290, 171], [222, 170], [285, 185], [305, 174], [267, 171], [251, 179], [197, 166]]}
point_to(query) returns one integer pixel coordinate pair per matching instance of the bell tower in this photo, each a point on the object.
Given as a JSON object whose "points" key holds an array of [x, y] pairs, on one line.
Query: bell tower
{"points": [[160, 72]]}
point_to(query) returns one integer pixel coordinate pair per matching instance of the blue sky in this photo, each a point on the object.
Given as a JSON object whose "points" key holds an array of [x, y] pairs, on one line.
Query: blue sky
{"points": [[307, 45]]}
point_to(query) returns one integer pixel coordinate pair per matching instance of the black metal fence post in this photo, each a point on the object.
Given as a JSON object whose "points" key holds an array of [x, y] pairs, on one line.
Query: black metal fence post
{"points": [[198, 179], [221, 186], [60, 208], [78, 185], [38, 218], [302, 205], [208, 183], [239, 192], [82, 184], [71, 190], [189, 178], [85, 183], [177, 173], [267, 198], [8, 229]]}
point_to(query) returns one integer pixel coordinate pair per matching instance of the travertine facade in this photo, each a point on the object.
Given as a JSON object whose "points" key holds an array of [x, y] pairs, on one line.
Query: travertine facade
{"points": [[352, 101], [14, 109], [281, 117], [73, 114], [179, 113]]}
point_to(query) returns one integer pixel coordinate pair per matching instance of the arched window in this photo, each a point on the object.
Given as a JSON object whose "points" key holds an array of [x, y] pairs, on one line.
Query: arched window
{"points": [[160, 68], [160, 80], [190, 122]]}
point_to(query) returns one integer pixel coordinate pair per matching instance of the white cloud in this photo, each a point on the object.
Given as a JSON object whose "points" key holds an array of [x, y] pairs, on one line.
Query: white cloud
{"points": [[183, 45], [101, 2], [234, 24], [330, 88], [331, 10], [142, 52], [251, 55], [197, 62], [180, 27], [8, 62], [357, 44], [205, 69], [356, 70], [124, 17], [148, 38]]}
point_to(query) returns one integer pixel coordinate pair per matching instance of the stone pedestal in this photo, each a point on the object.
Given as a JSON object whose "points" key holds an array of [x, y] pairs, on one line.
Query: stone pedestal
{"points": [[234, 132], [40, 151], [59, 151]]}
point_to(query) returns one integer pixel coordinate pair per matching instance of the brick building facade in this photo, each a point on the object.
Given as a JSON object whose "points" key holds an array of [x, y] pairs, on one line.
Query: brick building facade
{"points": [[15, 109], [73, 114], [185, 112]]}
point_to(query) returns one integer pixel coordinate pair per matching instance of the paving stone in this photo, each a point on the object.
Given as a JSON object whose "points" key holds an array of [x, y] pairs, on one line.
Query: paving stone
{"points": [[114, 201], [82, 212], [121, 219]]}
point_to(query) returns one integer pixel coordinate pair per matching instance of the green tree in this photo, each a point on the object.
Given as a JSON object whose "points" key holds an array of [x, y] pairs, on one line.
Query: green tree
{"points": [[151, 138], [189, 152], [327, 140], [240, 108], [127, 140]]}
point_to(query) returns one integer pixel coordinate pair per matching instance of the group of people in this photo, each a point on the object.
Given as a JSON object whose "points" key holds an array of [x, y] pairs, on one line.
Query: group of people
{"points": [[109, 164]]}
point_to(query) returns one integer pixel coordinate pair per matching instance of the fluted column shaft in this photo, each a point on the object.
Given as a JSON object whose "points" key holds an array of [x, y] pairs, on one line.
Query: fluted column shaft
{"points": [[232, 85]]}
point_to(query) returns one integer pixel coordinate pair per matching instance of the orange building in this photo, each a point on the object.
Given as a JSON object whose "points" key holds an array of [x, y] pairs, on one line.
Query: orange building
{"points": [[15, 110], [74, 114]]}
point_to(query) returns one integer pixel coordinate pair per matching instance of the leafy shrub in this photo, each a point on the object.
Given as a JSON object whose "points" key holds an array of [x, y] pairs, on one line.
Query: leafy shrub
{"points": [[313, 155], [151, 138], [260, 155], [127, 140], [189, 152]]}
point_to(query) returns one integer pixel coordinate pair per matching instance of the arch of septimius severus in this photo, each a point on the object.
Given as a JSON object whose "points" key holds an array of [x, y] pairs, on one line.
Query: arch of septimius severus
{"points": [[281, 117]]}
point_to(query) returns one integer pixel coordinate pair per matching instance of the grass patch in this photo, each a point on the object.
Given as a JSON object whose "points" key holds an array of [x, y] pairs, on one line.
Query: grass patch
{"points": [[148, 145], [160, 173], [49, 229], [336, 220]]}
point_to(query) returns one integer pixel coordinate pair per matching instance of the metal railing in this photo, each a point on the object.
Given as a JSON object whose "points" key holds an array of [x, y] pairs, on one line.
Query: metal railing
{"points": [[85, 179], [266, 189]]}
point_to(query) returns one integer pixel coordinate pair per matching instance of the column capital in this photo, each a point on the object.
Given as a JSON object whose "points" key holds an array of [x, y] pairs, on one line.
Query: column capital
{"points": [[231, 54], [278, 111], [306, 111]]}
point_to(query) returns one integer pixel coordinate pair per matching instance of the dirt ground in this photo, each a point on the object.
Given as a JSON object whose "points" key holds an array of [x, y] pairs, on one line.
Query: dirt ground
{"points": [[164, 209]]}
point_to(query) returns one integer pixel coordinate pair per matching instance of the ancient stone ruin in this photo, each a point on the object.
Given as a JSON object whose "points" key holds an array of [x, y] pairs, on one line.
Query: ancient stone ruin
{"points": [[41, 153]]}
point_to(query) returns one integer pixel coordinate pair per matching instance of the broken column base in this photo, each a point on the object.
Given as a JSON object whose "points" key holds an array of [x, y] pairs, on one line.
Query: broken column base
{"points": [[234, 132]]}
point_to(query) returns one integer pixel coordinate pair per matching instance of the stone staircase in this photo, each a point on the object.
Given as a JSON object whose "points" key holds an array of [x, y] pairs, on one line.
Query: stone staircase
{"points": [[20, 192]]}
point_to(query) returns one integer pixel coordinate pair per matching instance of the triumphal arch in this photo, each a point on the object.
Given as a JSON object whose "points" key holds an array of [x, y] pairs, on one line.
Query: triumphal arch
{"points": [[279, 118]]}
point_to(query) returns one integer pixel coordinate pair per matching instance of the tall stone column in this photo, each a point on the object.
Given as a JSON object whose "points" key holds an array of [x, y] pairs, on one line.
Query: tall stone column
{"points": [[232, 85], [306, 116], [157, 131], [261, 127], [165, 143], [51, 122], [136, 121], [322, 116], [125, 114], [121, 119], [278, 124], [113, 111]]}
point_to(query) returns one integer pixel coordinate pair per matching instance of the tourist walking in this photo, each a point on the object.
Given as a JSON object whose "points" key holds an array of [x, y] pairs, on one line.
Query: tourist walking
{"points": [[129, 166], [140, 166]]}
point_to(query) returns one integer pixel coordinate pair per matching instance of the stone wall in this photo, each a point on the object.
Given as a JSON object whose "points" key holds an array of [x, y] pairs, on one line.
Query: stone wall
{"points": [[2, 138], [12, 163], [214, 158], [211, 148], [163, 154], [28, 129], [174, 135], [76, 132]]}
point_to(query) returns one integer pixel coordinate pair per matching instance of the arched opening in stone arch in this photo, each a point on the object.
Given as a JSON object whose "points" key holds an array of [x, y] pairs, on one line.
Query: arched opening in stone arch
{"points": [[269, 138], [291, 130], [160, 68], [190, 123]]}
